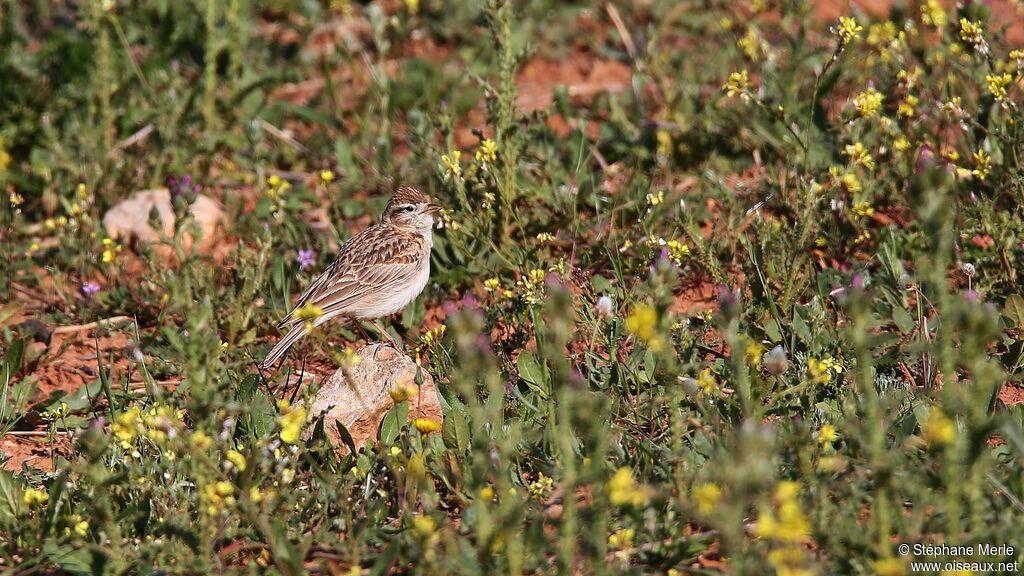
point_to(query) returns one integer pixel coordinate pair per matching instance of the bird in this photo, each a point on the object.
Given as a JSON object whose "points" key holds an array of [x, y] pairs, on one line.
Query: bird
{"points": [[377, 273]]}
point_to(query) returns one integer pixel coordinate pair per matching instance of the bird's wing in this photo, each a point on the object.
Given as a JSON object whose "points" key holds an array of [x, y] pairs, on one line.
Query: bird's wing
{"points": [[369, 262]]}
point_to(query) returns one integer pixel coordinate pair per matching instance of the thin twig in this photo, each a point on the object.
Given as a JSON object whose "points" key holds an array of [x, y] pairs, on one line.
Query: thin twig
{"points": [[91, 325]]}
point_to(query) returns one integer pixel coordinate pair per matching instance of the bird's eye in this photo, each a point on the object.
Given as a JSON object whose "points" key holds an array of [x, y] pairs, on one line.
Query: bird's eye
{"points": [[409, 208]]}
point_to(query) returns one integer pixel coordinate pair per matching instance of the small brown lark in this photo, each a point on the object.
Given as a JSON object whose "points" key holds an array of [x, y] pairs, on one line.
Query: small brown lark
{"points": [[377, 273]]}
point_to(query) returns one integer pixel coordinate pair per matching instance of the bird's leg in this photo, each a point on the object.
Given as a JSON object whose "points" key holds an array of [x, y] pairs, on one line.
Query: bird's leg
{"points": [[398, 346]]}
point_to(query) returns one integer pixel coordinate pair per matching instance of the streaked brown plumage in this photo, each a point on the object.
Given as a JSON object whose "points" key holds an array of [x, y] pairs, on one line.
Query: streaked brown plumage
{"points": [[377, 273]]}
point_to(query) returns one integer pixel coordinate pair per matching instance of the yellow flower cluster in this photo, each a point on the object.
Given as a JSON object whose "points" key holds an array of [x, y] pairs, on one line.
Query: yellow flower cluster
{"points": [[827, 434], [433, 336], [982, 165], [971, 31], [487, 153], [706, 496], [426, 425], [402, 392], [642, 322], [858, 154], [541, 487], [309, 313], [999, 84], [110, 250], [291, 421], [738, 85], [706, 383], [33, 497], [677, 251], [326, 177], [869, 103], [820, 371], [847, 30], [863, 209], [217, 496], [933, 14], [532, 285], [450, 164], [784, 523], [624, 491]]}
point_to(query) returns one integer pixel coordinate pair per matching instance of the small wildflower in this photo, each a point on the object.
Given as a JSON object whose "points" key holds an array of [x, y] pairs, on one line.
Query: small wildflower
{"points": [[433, 336], [968, 269], [624, 491], [655, 198], [738, 85], [487, 493], [90, 288], [450, 161], [540, 487], [982, 165], [545, 237], [326, 176], [236, 458], [79, 526], [706, 496], [827, 434], [850, 182], [938, 429], [487, 153], [902, 144], [107, 257], [751, 45], [706, 382], [305, 258], [621, 539], [933, 14], [426, 425], [33, 497], [785, 521], [309, 313], [291, 421], [643, 323], [908, 106], [869, 103], [15, 199], [971, 31], [492, 284], [402, 392], [677, 251], [424, 526], [863, 209], [998, 85], [859, 155], [604, 307], [847, 30]]}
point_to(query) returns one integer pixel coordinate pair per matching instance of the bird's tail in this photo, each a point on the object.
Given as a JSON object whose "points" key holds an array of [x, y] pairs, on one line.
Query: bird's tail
{"points": [[282, 346]]}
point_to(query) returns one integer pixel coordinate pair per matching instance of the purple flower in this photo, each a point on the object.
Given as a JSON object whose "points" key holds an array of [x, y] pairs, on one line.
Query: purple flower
{"points": [[90, 288], [305, 258]]}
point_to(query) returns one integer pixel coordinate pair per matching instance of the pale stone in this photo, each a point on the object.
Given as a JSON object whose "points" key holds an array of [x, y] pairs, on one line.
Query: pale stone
{"points": [[129, 219], [358, 395]]}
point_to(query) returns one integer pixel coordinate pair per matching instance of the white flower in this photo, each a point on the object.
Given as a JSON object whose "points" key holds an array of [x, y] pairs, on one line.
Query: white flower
{"points": [[603, 308]]}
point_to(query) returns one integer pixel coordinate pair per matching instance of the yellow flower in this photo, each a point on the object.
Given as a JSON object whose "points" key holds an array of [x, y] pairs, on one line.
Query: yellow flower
{"points": [[545, 237], [402, 392], [81, 528], [487, 493], [751, 46], [784, 521], [971, 31], [677, 251], [901, 144], [655, 198], [847, 30], [450, 161], [827, 434], [274, 181], [487, 153], [291, 422], [107, 257], [908, 106], [863, 209], [256, 495], [623, 490], [126, 426], [200, 441], [492, 284], [706, 382], [738, 84], [426, 425], [939, 429], [326, 176], [308, 314], [621, 539], [424, 526], [982, 165], [236, 458], [850, 182], [753, 352], [998, 85], [33, 497], [933, 14], [413, 6], [16, 199], [818, 371], [869, 102], [706, 496], [540, 487], [860, 155], [643, 323]]}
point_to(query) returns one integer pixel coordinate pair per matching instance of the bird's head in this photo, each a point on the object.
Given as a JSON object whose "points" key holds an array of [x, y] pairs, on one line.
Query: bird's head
{"points": [[410, 209]]}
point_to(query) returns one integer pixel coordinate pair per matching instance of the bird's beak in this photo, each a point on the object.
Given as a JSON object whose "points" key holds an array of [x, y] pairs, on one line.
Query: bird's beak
{"points": [[433, 209]]}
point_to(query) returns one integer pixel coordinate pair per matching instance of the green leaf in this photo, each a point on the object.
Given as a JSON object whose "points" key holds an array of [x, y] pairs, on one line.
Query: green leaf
{"points": [[12, 359], [247, 387], [529, 368], [903, 320], [393, 421], [1013, 310], [345, 436], [74, 560], [455, 431], [10, 497]]}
